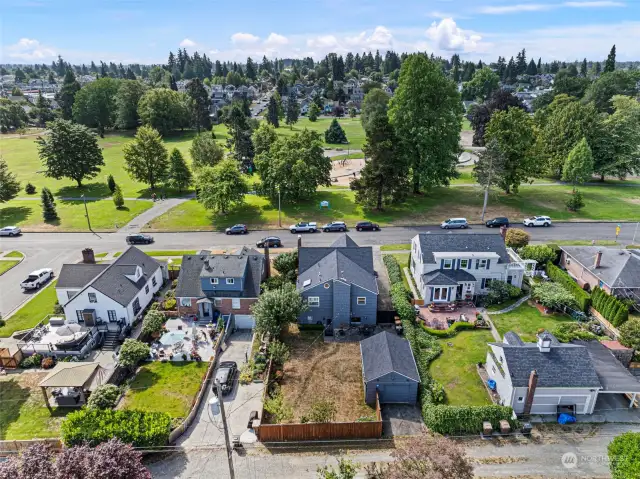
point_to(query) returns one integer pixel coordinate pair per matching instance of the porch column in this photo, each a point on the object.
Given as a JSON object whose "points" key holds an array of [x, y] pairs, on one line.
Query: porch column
{"points": [[633, 399]]}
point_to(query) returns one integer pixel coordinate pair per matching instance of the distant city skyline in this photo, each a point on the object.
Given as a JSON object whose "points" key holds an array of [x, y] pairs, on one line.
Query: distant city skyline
{"points": [[141, 31]]}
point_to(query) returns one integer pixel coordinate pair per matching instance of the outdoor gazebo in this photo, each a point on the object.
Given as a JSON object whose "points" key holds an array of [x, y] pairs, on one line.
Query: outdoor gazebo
{"points": [[71, 383]]}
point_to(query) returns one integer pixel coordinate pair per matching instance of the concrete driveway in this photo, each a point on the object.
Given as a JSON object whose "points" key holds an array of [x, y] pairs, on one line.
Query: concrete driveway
{"points": [[401, 420], [238, 405]]}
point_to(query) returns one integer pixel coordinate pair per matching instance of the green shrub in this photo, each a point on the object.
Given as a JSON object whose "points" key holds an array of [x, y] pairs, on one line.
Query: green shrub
{"points": [[624, 454], [3, 323], [630, 334], [517, 238], [451, 331], [582, 297], [500, 291], [393, 268], [132, 352], [465, 419], [575, 201], [565, 332], [541, 253], [152, 322], [611, 308], [30, 189], [138, 428], [104, 397], [170, 305], [278, 351], [31, 362]]}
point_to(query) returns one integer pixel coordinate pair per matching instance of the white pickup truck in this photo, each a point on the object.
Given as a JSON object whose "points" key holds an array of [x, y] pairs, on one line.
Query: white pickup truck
{"points": [[304, 228], [37, 278]]}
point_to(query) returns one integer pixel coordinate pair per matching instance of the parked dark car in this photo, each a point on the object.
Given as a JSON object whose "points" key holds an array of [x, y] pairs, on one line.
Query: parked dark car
{"points": [[226, 374], [237, 230], [367, 226], [271, 241], [497, 222], [139, 239]]}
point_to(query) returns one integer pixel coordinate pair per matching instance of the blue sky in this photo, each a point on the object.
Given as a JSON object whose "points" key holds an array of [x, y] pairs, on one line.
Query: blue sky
{"points": [[144, 31]]}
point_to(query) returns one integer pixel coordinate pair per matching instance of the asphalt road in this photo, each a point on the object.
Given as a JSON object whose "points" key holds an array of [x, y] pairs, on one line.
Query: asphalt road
{"points": [[54, 249]]}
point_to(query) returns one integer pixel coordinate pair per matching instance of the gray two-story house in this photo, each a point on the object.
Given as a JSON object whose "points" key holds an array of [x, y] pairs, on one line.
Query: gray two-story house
{"points": [[448, 267], [228, 283], [338, 284]]}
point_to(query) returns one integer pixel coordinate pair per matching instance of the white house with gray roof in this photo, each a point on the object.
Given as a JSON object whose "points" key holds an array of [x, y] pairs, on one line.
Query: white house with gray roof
{"points": [[448, 267], [113, 294]]}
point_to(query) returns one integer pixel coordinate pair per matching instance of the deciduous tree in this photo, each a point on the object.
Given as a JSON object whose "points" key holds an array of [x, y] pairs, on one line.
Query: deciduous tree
{"points": [[263, 137], [375, 102], [601, 91], [9, 185], [163, 109], [314, 111], [205, 151], [127, 98], [179, 173], [132, 352], [275, 308], [501, 100], [95, 104], [220, 187], [578, 167], [70, 151], [483, 84], [145, 157]]}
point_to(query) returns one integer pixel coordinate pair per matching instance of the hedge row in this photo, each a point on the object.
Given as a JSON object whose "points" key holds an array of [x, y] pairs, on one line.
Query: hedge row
{"points": [[466, 419], [93, 426], [582, 297], [610, 307], [393, 268], [450, 332]]}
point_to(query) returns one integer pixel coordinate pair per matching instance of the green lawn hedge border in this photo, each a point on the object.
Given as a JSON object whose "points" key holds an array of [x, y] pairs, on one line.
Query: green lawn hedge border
{"points": [[450, 332], [393, 268], [582, 297], [610, 307]]}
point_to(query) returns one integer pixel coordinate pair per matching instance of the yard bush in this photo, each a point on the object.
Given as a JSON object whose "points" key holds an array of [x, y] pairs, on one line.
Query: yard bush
{"points": [[553, 295], [138, 428], [286, 264], [565, 332], [517, 238], [47, 363], [500, 291], [275, 405], [152, 323], [170, 305], [582, 297], [630, 333], [624, 454], [611, 308], [31, 362], [104, 397], [541, 253], [393, 269], [451, 331], [465, 419], [279, 352], [30, 189], [132, 352]]}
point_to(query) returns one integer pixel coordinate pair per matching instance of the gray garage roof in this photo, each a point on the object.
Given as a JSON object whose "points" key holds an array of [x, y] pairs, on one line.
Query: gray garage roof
{"points": [[447, 277], [619, 268], [472, 242], [612, 374], [565, 365], [385, 353]]}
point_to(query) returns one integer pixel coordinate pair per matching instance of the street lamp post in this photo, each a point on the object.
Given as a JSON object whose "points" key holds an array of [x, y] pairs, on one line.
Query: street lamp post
{"points": [[634, 233], [279, 210]]}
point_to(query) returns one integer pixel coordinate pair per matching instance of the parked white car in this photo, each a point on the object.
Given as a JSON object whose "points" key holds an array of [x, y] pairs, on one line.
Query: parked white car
{"points": [[454, 223], [10, 231], [304, 227], [537, 221], [37, 278]]}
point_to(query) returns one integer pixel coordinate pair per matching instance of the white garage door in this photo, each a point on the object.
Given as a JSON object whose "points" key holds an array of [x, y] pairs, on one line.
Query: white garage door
{"points": [[549, 404], [244, 321]]}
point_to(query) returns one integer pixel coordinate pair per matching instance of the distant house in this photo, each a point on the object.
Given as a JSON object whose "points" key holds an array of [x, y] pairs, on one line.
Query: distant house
{"points": [[227, 283], [114, 294], [338, 284], [617, 271], [389, 368], [450, 267]]}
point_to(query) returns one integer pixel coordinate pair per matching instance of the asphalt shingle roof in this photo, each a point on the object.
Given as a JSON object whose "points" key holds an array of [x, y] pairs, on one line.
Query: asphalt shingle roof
{"points": [[78, 275], [447, 277], [565, 365], [618, 268], [344, 241], [473, 243], [385, 353], [612, 374]]}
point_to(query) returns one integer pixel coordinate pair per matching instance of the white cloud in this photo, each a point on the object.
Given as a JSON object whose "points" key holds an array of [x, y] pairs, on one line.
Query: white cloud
{"points": [[539, 7], [29, 50], [448, 37], [595, 4], [187, 43], [323, 42], [244, 38], [274, 40]]}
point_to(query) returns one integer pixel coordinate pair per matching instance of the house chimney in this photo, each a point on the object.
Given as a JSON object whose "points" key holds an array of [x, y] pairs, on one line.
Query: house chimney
{"points": [[533, 383], [88, 257], [299, 241], [503, 232], [206, 264], [544, 343], [598, 260], [267, 266]]}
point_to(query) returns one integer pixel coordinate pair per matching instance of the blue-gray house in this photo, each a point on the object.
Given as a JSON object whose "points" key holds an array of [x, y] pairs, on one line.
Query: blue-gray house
{"points": [[338, 284]]}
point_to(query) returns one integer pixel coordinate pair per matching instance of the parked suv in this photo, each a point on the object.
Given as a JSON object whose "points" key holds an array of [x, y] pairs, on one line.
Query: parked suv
{"points": [[271, 241], [537, 221], [452, 223], [335, 226], [226, 374], [10, 231], [497, 222], [139, 239], [237, 230], [366, 226], [37, 279]]}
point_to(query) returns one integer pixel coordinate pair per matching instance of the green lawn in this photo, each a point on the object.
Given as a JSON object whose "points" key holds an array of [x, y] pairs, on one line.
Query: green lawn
{"points": [[103, 215], [466, 126], [7, 265], [396, 247], [403, 260], [505, 305], [350, 156], [526, 321], [31, 313], [165, 387], [14, 254], [101, 255], [456, 370], [23, 414]]}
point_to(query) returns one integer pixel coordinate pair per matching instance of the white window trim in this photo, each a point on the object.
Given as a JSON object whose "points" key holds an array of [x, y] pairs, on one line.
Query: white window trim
{"points": [[231, 280], [520, 398], [185, 302], [313, 301], [361, 300], [482, 263], [444, 265], [214, 280], [466, 263], [234, 304]]}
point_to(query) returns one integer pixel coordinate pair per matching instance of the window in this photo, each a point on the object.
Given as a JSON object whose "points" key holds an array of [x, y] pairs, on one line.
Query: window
{"points": [[112, 316], [483, 283], [136, 306], [235, 303], [185, 302], [464, 263], [79, 316], [92, 298], [214, 280], [509, 279], [362, 300], [440, 294], [231, 280], [447, 264], [482, 263], [217, 302], [520, 398], [313, 301], [153, 281], [146, 289]]}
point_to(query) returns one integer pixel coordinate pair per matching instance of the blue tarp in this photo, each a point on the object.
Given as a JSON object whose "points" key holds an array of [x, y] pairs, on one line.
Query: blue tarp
{"points": [[566, 419]]}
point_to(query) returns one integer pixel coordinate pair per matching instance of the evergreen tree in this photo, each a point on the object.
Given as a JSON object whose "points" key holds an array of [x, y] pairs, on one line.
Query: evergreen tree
{"points": [[610, 63], [532, 69], [521, 62], [293, 110], [117, 197], [239, 141], [49, 212], [200, 103], [42, 111], [539, 66], [111, 183], [335, 134], [314, 111], [251, 69], [9, 185], [172, 83], [179, 174], [583, 68], [67, 94], [272, 112]]}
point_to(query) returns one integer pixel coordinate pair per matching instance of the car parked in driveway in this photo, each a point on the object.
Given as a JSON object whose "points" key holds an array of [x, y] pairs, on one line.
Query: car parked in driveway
{"points": [[271, 241], [453, 223], [367, 226], [537, 221], [335, 226], [237, 230], [10, 231], [37, 278], [139, 239], [497, 222], [225, 375], [304, 227]]}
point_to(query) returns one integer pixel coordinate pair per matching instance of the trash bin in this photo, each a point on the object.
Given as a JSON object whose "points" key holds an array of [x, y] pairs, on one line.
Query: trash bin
{"points": [[527, 428]]}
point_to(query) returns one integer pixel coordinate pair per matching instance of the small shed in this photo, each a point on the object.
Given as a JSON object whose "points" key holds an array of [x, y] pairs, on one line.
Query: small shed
{"points": [[388, 367], [10, 357], [71, 383]]}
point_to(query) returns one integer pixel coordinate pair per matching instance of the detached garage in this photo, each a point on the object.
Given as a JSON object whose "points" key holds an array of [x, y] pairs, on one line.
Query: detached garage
{"points": [[388, 367]]}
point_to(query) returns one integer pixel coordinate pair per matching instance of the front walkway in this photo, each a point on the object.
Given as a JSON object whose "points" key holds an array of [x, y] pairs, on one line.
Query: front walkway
{"points": [[159, 208]]}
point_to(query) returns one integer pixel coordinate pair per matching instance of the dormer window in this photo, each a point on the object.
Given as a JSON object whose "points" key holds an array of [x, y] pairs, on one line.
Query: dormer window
{"points": [[231, 280], [447, 264]]}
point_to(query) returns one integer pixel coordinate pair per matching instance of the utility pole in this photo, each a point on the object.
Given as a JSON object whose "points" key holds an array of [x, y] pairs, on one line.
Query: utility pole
{"points": [[225, 430], [279, 210], [486, 189], [634, 234], [86, 212]]}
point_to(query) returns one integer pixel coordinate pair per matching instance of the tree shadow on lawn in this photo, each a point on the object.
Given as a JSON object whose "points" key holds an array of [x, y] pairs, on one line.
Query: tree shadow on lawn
{"points": [[145, 379], [14, 397], [90, 190], [244, 213], [12, 215], [168, 191]]}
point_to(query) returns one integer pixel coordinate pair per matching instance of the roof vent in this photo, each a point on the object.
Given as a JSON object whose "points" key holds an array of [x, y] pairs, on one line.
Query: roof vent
{"points": [[307, 282]]}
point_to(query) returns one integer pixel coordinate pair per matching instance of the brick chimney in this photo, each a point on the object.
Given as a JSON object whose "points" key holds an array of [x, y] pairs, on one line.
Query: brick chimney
{"points": [[88, 257], [267, 267], [598, 260], [533, 383], [503, 232]]}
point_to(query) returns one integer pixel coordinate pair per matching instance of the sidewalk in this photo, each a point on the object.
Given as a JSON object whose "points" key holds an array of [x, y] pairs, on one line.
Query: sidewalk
{"points": [[159, 208]]}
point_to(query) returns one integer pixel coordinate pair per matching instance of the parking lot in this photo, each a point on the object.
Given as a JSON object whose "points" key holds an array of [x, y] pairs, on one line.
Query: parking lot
{"points": [[238, 404]]}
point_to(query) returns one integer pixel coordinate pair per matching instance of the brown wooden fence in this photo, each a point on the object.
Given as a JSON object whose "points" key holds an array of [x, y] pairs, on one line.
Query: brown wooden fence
{"points": [[322, 431], [11, 447]]}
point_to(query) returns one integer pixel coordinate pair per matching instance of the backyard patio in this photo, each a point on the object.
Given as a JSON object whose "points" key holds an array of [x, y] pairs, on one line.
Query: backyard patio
{"points": [[184, 339], [442, 319]]}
